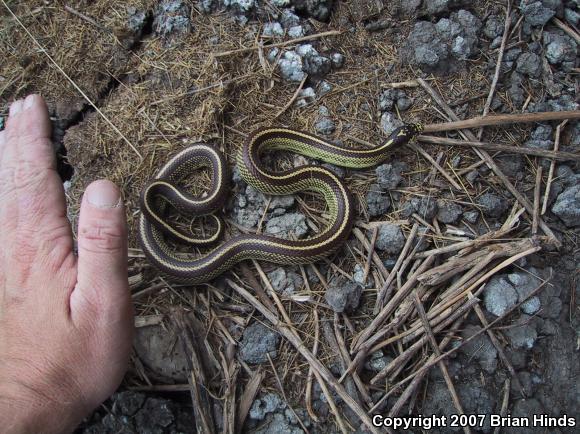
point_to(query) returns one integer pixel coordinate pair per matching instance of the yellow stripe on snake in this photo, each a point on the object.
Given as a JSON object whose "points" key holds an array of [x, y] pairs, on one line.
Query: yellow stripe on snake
{"points": [[154, 226]]}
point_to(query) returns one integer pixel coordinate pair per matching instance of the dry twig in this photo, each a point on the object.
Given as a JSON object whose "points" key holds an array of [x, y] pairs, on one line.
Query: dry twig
{"points": [[484, 121]]}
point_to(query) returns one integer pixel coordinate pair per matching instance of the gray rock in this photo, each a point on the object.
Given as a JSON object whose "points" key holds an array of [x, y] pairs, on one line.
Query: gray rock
{"points": [[499, 296], [529, 64], [549, 296], [248, 217], [430, 58], [318, 9], [296, 32], [492, 205], [390, 239], [288, 226], [171, 18], [531, 306], [472, 176], [435, 7], [516, 91], [285, 281], [448, 212], [155, 415], [404, 103], [243, 6], [567, 206], [324, 87], [268, 403], [111, 424], [378, 203], [425, 206], [273, 29], [438, 401], [283, 201], [479, 348], [272, 55], [525, 284], [496, 43], [389, 175], [473, 397], [237, 176], [476, 400], [313, 63], [539, 144], [337, 60], [128, 402], [377, 362], [358, 277], [470, 25], [257, 342], [343, 295], [291, 66], [158, 350], [511, 165], [542, 132], [536, 14], [390, 97], [528, 381], [572, 16], [390, 122], [563, 103], [324, 125], [207, 6], [410, 7], [135, 22], [279, 423], [250, 207], [494, 26], [428, 51], [461, 48], [522, 334], [389, 263], [440, 47], [523, 408], [471, 216], [567, 176], [289, 19], [560, 49], [512, 54], [307, 96]]}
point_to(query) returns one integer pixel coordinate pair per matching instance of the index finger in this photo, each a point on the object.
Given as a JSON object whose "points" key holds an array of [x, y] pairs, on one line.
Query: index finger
{"points": [[30, 188]]}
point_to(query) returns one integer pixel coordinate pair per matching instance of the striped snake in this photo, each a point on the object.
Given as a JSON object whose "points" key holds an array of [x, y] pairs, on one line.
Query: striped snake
{"points": [[153, 224]]}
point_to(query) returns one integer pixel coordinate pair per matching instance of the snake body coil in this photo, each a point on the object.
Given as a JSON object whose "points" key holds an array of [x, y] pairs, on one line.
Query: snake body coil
{"points": [[153, 227]]}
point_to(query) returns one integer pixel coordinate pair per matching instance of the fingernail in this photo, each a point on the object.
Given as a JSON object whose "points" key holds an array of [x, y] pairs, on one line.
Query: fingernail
{"points": [[29, 101], [103, 194], [15, 107]]}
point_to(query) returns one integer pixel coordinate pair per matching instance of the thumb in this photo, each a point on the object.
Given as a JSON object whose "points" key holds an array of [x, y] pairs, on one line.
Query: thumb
{"points": [[102, 248]]}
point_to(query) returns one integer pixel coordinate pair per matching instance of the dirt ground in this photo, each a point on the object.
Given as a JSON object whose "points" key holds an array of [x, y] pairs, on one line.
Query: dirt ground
{"points": [[444, 233]]}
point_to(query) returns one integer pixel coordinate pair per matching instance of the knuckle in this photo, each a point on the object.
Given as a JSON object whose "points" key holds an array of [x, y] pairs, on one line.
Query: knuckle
{"points": [[22, 176], [102, 237], [57, 249]]}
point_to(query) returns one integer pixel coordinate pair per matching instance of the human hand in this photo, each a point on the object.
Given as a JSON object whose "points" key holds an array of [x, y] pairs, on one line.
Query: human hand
{"points": [[65, 322]]}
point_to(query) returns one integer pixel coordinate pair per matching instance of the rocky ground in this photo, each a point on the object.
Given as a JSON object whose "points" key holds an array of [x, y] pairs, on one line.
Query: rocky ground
{"points": [[171, 72]]}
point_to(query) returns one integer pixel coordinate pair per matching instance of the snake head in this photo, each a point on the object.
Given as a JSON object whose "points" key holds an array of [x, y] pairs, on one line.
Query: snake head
{"points": [[415, 129], [405, 134]]}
